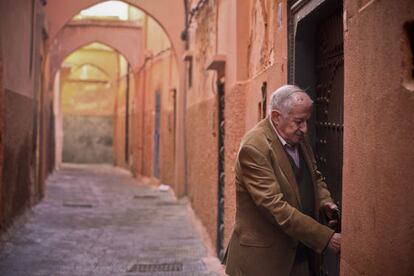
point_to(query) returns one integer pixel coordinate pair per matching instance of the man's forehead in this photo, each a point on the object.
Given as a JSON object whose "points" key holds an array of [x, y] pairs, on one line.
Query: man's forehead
{"points": [[301, 97], [301, 110]]}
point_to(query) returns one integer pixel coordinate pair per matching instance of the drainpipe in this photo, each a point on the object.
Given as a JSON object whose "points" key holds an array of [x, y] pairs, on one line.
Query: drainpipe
{"points": [[127, 117]]}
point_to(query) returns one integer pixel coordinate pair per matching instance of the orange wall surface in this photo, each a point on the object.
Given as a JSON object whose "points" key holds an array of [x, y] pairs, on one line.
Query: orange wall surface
{"points": [[90, 93], [119, 124], [26, 121], [159, 73], [378, 205], [254, 46], [90, 81], [156, 76], [202, 120]]}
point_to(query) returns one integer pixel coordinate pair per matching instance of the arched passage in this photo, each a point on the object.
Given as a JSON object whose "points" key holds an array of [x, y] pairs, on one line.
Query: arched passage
{"points": [[90, 65], [127, 40], [87, 103], [171, 19], [60, 12]]}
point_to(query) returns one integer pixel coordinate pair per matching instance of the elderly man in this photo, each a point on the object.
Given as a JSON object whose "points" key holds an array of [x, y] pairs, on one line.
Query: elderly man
{"points": [[279, 192]]}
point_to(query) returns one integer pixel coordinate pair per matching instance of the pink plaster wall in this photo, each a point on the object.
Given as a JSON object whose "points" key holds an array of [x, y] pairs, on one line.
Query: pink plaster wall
{"points": [[76, 97], [119, 124], [158, 74], [378, 225], [203, 45], [26, 133], [243, 98], [245, 71], [201, 119], [202, 154], [16, 28], [124, 38], [235, 129], [59, 12]]}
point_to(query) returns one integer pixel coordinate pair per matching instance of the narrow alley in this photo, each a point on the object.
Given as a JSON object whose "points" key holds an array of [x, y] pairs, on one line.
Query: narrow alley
{"points": [[97, 220], [157, 137]]}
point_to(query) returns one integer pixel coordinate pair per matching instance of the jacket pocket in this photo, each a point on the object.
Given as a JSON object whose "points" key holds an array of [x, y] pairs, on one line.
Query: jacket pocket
{"points": [[250, 239]]}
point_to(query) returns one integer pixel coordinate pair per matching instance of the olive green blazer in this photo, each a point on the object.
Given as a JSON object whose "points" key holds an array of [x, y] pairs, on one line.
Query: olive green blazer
{"points": [[268, 222]]}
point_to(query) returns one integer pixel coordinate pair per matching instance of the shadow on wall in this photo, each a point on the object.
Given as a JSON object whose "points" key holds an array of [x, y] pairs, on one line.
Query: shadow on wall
{"points": [[87, 139], [16, 197]]}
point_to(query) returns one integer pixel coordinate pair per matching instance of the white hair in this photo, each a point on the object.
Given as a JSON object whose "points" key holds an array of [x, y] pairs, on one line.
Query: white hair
{"points": [[283, 99]]}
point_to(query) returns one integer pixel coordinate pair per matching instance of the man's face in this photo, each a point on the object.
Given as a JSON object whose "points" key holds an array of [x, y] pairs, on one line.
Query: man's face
{"points": [[293, 126]]}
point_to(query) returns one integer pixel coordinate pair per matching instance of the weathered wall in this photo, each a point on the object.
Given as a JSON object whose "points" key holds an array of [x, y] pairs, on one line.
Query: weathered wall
{"points": [[18, 151], [16, 29], [26, 107], [378, 153], [162, 68], [202, 120], [171, 19], [162, 75], [124, 37], [89, 86], [121, 157], [159, 74], [252, 36], [377, 227], [202, 150], [261, 58], [171, 16], [253, 40], [88, 139]]}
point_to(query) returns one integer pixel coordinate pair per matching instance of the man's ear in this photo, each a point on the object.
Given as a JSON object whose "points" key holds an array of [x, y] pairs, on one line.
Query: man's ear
{"points": [[275, 115]]}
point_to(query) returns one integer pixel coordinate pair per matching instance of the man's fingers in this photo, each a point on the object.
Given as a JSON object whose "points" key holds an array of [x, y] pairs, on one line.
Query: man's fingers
{"points": [[335, 243]]}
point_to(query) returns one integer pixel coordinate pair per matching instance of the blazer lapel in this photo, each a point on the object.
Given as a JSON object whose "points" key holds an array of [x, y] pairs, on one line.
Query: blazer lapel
{"points": [[310, 163], [308, 158], [282, 160]]}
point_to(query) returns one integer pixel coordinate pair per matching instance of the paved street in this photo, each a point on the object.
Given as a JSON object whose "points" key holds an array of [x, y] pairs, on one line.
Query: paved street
{"points": [[97, 220]]}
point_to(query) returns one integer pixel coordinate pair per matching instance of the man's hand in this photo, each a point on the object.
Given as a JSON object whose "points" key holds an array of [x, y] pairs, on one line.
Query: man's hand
{"points": [[335, 243], [329, 209]]}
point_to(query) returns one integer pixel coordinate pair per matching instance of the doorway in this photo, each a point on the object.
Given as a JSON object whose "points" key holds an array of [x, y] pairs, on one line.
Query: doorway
{"points": [[157, 134], [316, 65], [221, 172]]}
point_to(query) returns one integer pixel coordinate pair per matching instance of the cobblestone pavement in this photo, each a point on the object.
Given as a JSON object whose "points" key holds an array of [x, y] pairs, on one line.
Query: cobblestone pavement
{"points": [[97, 220]]}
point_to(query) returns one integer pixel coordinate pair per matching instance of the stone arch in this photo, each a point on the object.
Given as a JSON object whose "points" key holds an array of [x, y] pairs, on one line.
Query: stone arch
{"points": [[103, 74], [99, 68], [171, 18], [60, 12], [127, 41]]}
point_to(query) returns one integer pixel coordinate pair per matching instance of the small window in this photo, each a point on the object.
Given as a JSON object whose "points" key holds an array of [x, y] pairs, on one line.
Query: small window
{"points": [[190, 73], [261, 107], [408, 56], [264, 99]]}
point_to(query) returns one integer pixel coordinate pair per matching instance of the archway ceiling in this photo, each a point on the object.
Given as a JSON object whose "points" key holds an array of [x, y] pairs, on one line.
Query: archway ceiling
{"points": [[104, 61], [168, 13], [126, 40]]}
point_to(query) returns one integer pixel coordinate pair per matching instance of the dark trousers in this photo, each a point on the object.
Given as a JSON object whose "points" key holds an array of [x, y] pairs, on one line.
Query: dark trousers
{"points": [[304, 262]]}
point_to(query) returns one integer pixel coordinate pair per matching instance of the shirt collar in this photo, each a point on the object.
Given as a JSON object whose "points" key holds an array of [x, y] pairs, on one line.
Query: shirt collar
{"points": [[283, 141]]}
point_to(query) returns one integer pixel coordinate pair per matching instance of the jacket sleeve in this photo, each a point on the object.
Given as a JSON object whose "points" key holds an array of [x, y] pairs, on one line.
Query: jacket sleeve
{"points": [[322, 189], [260, 181]]}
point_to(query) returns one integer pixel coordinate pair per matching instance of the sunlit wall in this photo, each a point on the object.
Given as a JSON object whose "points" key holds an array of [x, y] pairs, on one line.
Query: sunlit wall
{"points": [[90, 80]]}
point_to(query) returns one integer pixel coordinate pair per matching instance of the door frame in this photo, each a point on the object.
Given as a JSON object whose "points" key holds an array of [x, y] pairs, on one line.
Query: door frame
{"points": [[303, 18]]}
